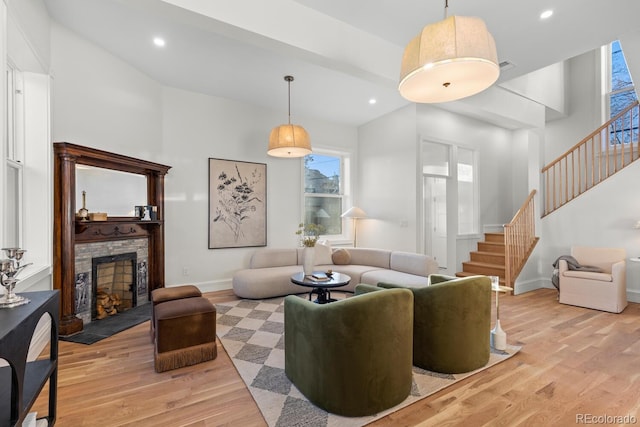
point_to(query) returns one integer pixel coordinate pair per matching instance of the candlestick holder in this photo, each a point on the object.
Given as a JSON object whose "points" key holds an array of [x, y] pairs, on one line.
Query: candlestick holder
{"points": [[9, 269]]}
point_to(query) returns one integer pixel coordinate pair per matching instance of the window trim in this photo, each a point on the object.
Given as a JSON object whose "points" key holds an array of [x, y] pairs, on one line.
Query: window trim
{"points": [[344, 193]]}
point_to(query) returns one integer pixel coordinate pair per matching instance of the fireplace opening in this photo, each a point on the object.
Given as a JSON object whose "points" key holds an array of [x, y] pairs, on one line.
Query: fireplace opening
{"points": [[113, 285]]}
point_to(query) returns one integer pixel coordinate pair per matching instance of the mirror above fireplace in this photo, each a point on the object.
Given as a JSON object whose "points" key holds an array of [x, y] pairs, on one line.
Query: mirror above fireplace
{"points": [[115, 193]]}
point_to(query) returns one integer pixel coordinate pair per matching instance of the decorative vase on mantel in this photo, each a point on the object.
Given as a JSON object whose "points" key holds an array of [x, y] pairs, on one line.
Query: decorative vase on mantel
{"points": [[308, 260]]}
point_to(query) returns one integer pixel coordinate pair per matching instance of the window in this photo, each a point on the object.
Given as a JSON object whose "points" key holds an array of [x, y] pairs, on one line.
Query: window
{"points": [[324, 191], [621, 93], [467, 203], [12, 224]]}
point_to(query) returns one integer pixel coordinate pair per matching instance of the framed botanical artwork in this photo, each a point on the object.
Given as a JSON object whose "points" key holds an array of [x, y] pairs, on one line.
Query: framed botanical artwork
{"points": [[237, 204]]}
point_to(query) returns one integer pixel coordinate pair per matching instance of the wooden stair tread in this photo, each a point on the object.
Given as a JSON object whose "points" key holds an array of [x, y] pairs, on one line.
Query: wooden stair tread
{"points": [[483, 264]]}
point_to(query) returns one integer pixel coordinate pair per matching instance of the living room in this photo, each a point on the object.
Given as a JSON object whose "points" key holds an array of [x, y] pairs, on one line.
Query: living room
{"points": [[100, 100]]}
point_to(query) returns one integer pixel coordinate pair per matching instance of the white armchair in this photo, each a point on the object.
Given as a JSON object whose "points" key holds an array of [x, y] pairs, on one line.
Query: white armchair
{"points": [[605, 291]]}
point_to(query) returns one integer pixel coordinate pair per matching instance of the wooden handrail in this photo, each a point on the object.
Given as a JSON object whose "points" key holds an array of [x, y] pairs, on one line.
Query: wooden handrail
{"points": [[519, 239], [593, 159]]}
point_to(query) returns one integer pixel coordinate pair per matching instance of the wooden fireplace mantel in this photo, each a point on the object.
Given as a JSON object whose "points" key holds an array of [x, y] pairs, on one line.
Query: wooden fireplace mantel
{"points": [[67, 231]]}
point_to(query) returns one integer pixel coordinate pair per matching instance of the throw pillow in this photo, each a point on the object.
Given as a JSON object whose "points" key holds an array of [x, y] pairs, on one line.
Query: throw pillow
{"points": [[341, 257], [323, 253]]}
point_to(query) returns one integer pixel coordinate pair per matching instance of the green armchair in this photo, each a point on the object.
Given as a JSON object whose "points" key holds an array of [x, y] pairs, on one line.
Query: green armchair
{"points": [[452, 323], [351, 357]]}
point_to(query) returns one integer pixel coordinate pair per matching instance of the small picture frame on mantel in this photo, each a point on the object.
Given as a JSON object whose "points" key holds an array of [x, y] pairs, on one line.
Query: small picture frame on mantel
{"points": [[146, 212]]}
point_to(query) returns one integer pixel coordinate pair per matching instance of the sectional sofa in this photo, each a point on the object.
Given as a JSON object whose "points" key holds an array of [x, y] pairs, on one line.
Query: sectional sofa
{"points": [[270, 270]]}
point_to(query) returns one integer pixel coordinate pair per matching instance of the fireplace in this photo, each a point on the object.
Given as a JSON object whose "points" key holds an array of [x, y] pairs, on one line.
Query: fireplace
{"points": [[110, 270], [75, 240], [114, 285]]}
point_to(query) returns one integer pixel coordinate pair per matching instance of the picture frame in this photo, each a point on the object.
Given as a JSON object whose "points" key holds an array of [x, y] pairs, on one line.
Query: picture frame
{"points": [[146, 212], [237, 204]]}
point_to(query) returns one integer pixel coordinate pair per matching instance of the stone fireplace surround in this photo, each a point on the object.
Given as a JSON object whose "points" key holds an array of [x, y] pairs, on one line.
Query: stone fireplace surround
{"points": [[84, 300]]}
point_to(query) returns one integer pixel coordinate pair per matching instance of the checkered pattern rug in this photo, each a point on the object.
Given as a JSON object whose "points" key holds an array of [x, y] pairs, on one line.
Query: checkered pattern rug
{"points": [[252, 333]]}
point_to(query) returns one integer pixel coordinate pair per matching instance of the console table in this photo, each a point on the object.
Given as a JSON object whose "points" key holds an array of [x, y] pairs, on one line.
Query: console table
{"points": [[19, 389]]}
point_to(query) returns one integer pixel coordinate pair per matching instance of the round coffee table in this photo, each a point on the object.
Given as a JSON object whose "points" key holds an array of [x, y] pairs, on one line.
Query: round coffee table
{"points": [[321, 288]]}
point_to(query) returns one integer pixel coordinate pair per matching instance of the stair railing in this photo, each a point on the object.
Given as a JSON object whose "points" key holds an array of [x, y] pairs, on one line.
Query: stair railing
{"points": [[604, 152], [519, 239]]}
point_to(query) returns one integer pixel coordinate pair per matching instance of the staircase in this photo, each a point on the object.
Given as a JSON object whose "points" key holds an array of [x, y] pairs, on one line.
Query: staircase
{"points": [[505, 254], [488, 260], [606, 151]]}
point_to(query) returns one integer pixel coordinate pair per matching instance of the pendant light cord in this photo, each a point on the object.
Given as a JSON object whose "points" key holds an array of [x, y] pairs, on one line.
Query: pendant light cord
{"points": [[446, 8], [289, 79], [289, 95]]}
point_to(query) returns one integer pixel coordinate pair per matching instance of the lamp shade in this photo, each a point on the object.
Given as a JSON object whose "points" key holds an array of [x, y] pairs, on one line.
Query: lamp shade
{"points": [[354, 212], [449, 60], [289, 141]]}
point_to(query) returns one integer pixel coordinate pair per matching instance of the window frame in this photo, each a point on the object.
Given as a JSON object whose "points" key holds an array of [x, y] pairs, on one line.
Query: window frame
{"points": [[607, 86], [13, 156], [344, 192], [476, 204]]}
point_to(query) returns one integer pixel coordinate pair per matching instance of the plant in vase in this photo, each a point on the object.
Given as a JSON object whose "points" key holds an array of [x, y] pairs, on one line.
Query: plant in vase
{"points": [[309, 235]]}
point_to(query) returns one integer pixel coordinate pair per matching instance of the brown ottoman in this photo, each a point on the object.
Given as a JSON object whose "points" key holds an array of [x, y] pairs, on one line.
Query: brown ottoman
{"points": [[185, 333], [169, 294]]}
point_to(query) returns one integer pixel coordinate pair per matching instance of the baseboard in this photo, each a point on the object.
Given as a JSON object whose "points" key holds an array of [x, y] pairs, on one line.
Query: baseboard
{"points": [[531, 285], [633, 296], [210, 286]]}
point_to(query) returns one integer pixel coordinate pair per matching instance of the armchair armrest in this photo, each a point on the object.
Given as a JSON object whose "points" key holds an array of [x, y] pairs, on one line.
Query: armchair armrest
{"points": [[562, 266], [363, 288]]}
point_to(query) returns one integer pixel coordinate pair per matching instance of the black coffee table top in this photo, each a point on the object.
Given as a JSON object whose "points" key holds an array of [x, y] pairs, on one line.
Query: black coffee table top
{"points": [[335, 280]]}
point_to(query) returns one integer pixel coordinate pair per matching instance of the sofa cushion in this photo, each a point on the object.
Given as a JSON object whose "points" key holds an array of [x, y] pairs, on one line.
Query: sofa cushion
{"points": [[262, 258], [351, 270], [407, 280], [341, 257], [412, 263], [266, 282], [372, 257]]}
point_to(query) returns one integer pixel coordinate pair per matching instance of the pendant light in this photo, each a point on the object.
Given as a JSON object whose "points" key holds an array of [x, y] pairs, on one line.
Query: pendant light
{"points": [[289, 140], [449, 60]]}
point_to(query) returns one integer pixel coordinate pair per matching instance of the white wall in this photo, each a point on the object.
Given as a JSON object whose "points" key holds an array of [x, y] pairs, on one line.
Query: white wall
{"points": [[605, 215], [584, 112], [387, 149], [390, 178], [102, 102], [197, 127], [28, 42], [546, 86]]}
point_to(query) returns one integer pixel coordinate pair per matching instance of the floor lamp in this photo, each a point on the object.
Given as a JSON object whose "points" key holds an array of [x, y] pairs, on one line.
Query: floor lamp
{"points": [[354, 213]]}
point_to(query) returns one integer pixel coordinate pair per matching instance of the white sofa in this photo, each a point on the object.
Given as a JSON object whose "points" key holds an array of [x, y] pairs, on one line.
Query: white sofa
{"points": [[606, 290], [270, 270]]}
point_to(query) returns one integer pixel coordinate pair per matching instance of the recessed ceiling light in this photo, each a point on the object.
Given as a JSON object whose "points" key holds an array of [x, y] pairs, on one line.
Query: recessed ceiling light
{"points": [[372, 101], [546, 14], [158, 41]]}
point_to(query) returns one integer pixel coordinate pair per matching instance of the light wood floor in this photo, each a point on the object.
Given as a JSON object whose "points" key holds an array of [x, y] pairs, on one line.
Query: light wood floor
{"points": [[574, 361]]}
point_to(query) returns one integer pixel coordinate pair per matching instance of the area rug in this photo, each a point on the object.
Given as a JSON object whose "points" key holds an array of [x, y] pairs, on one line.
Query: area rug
{"points": [[252, 333], [104, 328]]}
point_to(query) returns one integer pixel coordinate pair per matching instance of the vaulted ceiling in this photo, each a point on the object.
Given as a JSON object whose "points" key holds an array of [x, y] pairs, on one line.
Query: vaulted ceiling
{"points": [[342, 53]]}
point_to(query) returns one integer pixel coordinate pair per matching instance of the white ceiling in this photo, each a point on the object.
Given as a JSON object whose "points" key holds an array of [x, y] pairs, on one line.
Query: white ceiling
{"points": [[341, 52]]}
